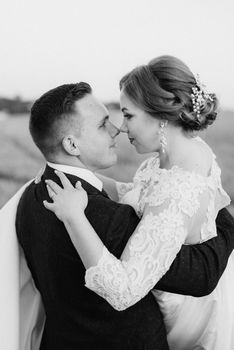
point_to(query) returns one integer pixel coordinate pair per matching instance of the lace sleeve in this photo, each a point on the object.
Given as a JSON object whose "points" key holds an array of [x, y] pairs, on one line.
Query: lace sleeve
{"points": [[123, 188], [153, 246]]}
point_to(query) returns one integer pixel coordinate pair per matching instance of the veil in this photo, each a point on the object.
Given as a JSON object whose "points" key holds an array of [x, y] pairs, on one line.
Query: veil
{"points": [[22, 314]]}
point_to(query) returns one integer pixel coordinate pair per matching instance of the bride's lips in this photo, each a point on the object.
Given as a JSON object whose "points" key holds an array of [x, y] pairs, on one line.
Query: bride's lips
{"points": [[131, 139]]}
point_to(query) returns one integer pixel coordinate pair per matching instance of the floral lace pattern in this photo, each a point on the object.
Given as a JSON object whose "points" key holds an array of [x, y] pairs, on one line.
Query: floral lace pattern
{"points": [[171, 203], [123, 188]]}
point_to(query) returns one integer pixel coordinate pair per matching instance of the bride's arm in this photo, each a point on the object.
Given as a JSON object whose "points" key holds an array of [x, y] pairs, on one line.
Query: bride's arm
{"points": [[146, 257]]}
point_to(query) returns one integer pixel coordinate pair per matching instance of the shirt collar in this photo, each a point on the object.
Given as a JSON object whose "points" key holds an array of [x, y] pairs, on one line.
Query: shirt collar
{"points": [[83, 173]]}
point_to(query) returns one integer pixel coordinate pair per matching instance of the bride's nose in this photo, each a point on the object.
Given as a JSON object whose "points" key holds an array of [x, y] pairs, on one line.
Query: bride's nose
{"points": [[124, 126]]}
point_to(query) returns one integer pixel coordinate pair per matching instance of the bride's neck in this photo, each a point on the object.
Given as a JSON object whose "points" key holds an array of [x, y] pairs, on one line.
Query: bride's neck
{"points": [[177, 149]]}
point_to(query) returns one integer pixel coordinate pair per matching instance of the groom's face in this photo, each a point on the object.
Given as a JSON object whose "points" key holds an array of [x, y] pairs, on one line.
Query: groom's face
{"points": [[97, 134]]}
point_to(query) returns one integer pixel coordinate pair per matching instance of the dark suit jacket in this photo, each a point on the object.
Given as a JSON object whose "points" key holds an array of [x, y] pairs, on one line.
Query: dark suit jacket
{"points": [[76, 318]]}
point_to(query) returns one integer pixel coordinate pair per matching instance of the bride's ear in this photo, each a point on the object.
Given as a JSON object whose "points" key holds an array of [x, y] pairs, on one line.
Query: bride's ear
{"points": [[70, 145]]}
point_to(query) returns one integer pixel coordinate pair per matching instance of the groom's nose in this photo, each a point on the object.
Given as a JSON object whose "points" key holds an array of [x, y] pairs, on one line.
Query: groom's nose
{"points": [[113, 130], [124, 127]]}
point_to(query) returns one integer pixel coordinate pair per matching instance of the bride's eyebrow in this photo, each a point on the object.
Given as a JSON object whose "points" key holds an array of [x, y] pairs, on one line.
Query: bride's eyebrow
{"points": [[124, 109]]}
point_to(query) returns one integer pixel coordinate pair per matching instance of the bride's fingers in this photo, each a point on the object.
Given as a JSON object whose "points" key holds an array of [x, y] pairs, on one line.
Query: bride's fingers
{"points": [[55, 187], [49, 206], [78, 185], [39, 175], [64, 180], [51, 193]]}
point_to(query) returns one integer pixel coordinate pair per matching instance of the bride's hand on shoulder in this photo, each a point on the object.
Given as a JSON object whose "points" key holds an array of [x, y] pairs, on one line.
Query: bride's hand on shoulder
{"points": [[68, 201], [37, 179]]}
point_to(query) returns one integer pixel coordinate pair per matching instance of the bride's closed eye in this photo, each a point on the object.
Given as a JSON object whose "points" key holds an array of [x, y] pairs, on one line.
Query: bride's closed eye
{"points": [[127, 116]]}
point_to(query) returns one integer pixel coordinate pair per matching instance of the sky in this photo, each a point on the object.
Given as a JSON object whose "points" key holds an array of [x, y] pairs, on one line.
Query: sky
{"points": [[47, 43]]}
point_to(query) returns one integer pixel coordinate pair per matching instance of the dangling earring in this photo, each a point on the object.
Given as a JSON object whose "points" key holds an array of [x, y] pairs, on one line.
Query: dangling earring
{"points": [[163, 140]]}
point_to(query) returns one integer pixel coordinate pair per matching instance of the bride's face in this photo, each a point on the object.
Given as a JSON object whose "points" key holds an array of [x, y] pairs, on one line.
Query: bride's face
{"points": [[141, 127]]}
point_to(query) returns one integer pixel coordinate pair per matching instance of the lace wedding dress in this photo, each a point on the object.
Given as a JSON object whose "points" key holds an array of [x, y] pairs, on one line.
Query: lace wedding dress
{"points": [[176, 207]]}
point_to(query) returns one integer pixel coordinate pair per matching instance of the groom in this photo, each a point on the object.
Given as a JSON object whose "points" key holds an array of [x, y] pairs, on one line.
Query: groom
{"points": [[73, 131]]}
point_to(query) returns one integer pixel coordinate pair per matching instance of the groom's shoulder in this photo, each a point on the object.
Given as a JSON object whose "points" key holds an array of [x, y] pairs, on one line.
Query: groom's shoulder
{"points": [[104, 210], [108, 205], [114, 222], [27, 191], [32, 196]]}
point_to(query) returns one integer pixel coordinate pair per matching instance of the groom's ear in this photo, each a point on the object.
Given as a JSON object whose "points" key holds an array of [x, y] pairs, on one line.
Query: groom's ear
{"points": [[70, 145]]}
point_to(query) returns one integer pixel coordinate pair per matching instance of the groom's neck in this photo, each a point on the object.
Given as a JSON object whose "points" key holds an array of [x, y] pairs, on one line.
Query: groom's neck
{"points": [[70, 161]]}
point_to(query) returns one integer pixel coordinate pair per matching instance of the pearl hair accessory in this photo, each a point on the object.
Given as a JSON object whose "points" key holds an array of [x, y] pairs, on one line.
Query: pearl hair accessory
{"points": [[199, 97], [163, 140]]}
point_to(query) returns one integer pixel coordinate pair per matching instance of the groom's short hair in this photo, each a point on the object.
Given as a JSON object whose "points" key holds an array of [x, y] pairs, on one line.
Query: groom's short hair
{"points": [[52, 113]]}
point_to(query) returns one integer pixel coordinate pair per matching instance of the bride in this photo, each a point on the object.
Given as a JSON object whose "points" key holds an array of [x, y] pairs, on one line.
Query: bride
{"points": [[177, 193]]}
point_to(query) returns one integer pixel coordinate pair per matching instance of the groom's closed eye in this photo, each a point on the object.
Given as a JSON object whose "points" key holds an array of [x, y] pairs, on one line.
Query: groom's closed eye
{"points": [[104, 122]]}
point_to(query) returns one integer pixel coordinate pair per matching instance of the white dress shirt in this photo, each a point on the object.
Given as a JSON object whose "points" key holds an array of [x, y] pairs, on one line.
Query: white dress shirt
{"points": [[82, 173]]}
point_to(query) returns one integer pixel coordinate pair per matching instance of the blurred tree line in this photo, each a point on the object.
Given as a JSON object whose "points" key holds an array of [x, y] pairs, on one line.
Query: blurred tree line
{"points": [[17, 105], [14, 105]]}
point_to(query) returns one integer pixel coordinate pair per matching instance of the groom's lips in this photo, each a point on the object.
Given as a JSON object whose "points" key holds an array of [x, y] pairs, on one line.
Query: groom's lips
{"points": [[131, 139]]}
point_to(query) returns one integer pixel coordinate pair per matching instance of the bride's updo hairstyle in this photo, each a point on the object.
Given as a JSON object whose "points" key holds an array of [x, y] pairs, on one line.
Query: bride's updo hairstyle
{"points": [[167, 89]]}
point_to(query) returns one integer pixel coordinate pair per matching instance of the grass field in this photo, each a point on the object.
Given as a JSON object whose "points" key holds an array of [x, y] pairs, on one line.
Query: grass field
{"points": [[20, 160]]}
